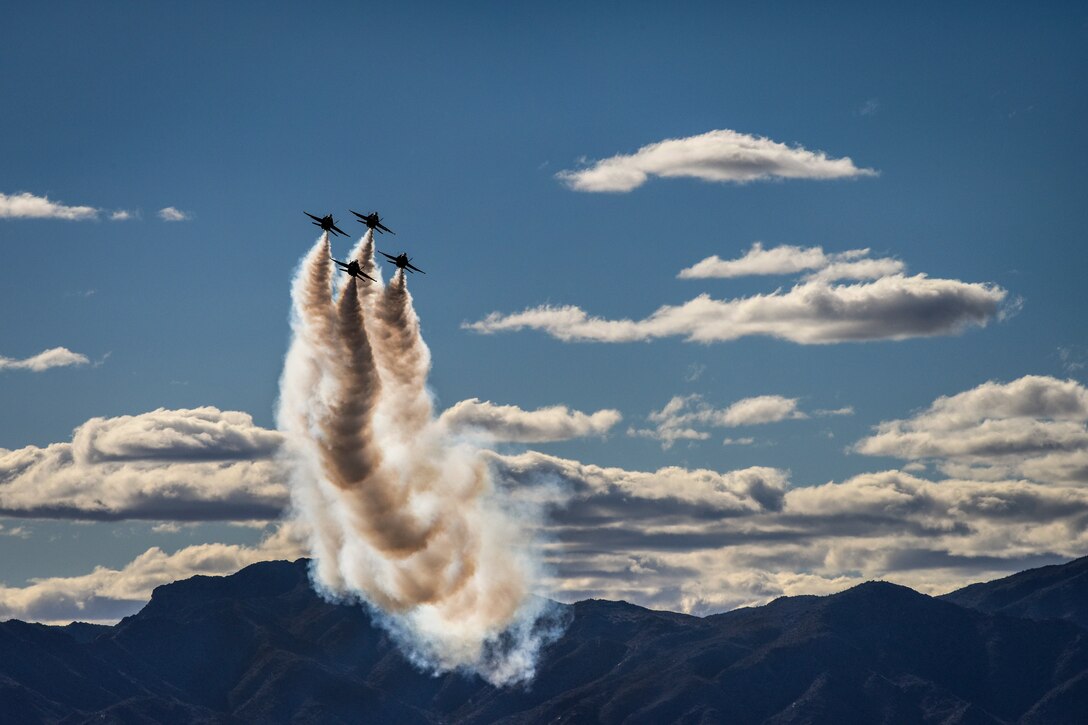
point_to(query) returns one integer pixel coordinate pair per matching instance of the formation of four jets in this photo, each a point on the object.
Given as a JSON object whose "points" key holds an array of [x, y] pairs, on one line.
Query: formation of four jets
{"points": [[372, 221]]}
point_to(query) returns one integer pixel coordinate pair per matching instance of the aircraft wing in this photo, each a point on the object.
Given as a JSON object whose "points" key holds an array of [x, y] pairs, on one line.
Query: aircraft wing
{"points": [[390, 257], [364, 274], [412, 266], [361, 216], [315, 218], [338, 229], [342, 264], [382, 226]]}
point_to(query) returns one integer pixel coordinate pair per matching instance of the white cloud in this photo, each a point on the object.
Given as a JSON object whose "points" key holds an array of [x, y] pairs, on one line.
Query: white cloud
{"points": [[738, 441], [513, 424], [122, 215], [674, 421], [694, 372], [721, 155], [890, 308], [1033, 427], [705, 541], [106, 595], [838, 269], [27, 206], [54, 357], [783, 259], [845, 410], [1072, 358], [761, 409], [172, 465], [682, 416], [752, 489], [694, 540], [170, 214], [788, 259]]}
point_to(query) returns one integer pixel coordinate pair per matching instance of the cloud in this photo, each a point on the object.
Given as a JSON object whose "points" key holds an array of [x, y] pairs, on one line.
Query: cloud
{"points": [[171, 214], [568, 482], [761, 409], [511, 423], [1033, 427], [694, 372], [721, 155], [869, 107], [784, 259], [54, 357], [891, 308], [679, 419], [839, 268], [694, 540], [1072, 358], [845, 410], [705, 541], [106, 595], [787, 260], [200, 464], [27, 206], [122, 215]]}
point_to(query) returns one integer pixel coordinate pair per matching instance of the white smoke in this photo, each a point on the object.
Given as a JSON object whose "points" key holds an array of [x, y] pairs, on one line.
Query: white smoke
{"points": [[400, 515]]}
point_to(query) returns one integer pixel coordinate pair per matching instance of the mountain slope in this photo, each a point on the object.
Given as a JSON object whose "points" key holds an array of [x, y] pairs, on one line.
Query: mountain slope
{"points": [[1050, 592]]}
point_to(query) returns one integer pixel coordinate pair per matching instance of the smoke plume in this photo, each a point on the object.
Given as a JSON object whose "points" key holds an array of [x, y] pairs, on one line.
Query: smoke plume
{"points": [[400, 515]]}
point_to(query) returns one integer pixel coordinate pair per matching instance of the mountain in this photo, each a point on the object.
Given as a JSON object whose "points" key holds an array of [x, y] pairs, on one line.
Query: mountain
{"points": [[1050, 592], [260, 646]]}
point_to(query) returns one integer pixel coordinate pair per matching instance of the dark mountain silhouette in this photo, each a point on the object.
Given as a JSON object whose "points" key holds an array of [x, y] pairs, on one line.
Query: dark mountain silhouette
{"points": [[1050, 592], [260, 646]]}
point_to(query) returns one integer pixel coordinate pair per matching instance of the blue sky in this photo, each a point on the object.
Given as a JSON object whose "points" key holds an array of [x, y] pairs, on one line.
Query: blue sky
{"points": [[453, 121]]}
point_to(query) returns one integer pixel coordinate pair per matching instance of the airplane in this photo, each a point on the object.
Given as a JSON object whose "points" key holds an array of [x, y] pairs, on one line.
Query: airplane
{"points": [[372, 221], [352, 268], [402, 260], [326, 222]]}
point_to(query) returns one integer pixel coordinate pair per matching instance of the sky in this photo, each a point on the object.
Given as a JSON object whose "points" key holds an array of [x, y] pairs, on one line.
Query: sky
{"points": [[872, 367]]}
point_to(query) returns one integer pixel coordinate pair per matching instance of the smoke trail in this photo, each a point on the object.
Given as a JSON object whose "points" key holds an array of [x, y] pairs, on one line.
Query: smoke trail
{"points": [[363, 253], [300, 400], [351, 455], [399, 515]]}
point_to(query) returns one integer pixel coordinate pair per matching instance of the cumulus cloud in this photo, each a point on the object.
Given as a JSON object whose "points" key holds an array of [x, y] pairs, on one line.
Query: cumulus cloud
{"points": [[590, 488], [1032, 427], [705, 541], [106, 595], [896, 307], [761, 409], [122, 215], [682, 416], [721, 155], [695, 540], [198, 464], [857, 268], [171, 214], [512, 424], [787, 259], [28, 206], [845, 410], [54, 357]]}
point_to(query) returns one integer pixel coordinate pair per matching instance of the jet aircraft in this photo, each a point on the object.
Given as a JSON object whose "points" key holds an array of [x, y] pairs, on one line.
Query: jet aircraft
{"points": [[372, 221], [326, 222], [402, 260], [352, 268]]}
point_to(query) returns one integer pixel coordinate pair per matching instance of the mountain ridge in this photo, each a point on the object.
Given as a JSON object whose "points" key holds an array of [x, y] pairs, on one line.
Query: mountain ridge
{"points": [[260, 645]]}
